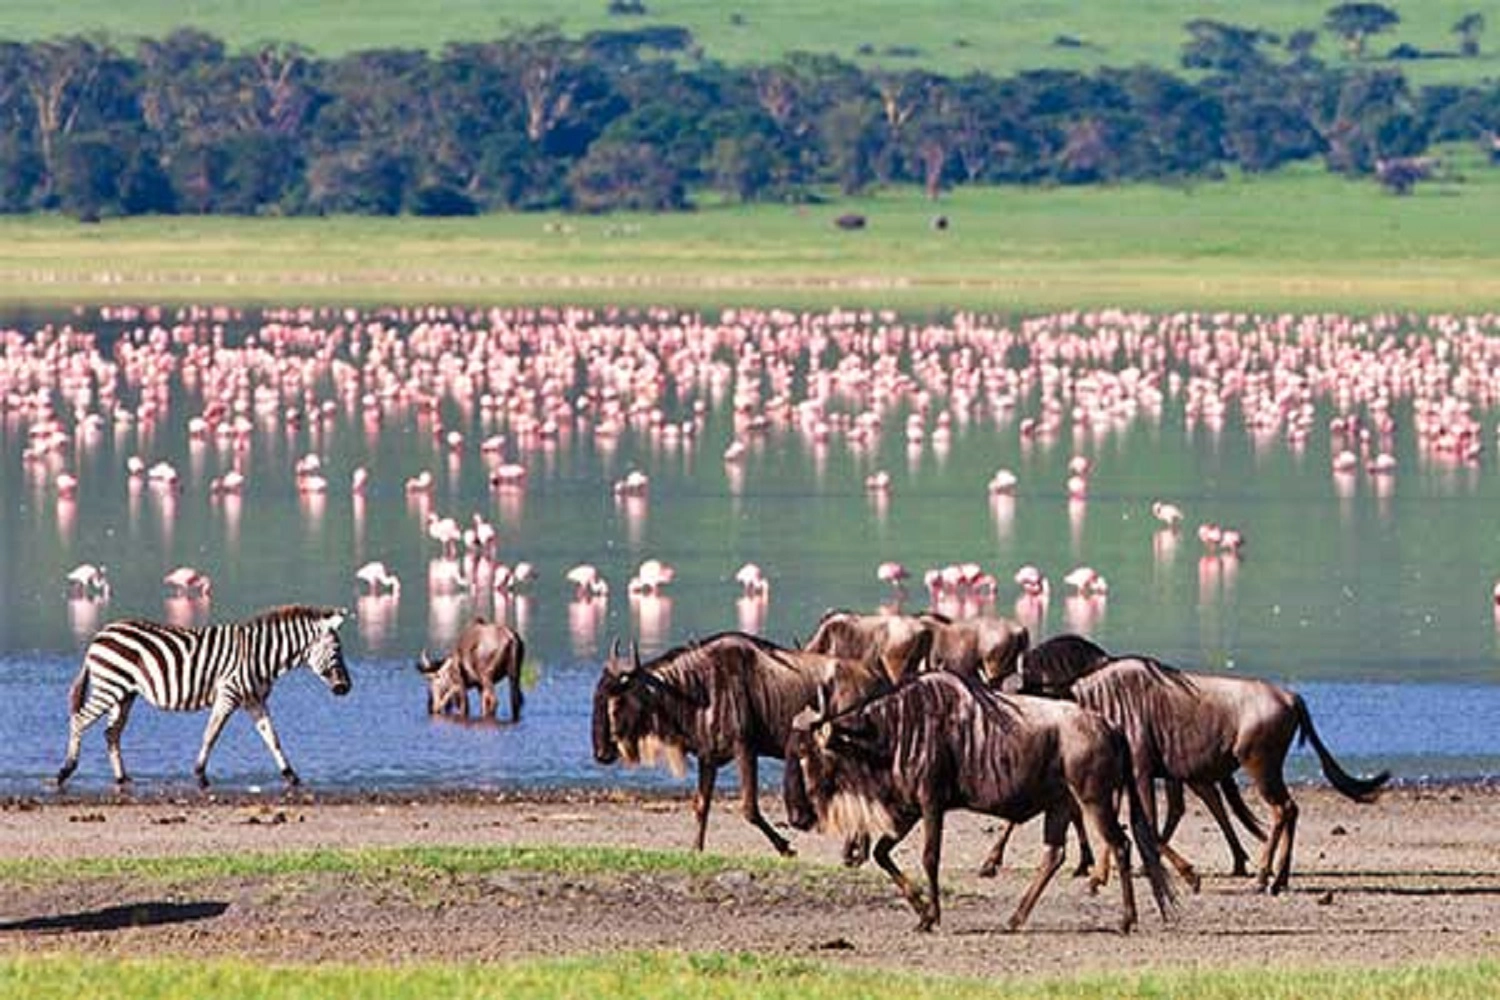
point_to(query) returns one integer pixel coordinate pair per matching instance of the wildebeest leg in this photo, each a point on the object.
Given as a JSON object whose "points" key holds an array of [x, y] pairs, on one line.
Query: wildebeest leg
{"points": [[996, 857], [1055, 837], [1100, 817], [703, 798], [118, 716], [750, 802], [932, 855], [1209, 793], [1272, 787], [1176, 809], [1085, 850], [882, 856], [515, 696], [856, 849], [489, 702]]}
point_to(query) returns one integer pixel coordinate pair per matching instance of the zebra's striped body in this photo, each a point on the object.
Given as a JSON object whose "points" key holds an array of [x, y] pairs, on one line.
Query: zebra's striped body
{"points": [[220, 667]]}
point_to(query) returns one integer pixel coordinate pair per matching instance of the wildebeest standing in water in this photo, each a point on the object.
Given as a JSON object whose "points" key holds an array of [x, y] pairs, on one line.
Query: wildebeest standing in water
{"points": [[1050, 669], [485, 654], [1200, 728], [940, 743], [730, 697]]}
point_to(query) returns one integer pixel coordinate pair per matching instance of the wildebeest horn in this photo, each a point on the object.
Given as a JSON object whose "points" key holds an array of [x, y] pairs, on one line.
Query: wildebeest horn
{"points": [[424, 664], [635, 655], [823, 700], [612, 666]]}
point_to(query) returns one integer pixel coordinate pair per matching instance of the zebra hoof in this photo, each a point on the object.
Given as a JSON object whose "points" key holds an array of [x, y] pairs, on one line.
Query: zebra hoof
{"points": [[290, 777], [202, 777]]}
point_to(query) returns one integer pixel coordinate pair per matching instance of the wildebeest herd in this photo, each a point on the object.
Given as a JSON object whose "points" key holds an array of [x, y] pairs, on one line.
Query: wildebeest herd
{"points": [[883, 721], [888, 720]]}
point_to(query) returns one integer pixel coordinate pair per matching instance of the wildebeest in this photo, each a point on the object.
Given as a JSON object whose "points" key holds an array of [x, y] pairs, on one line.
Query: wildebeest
{"points": [[730, 697], [898, 643], [986, 649], [1200, 728], [941, 743], [1049, 669], [485, 654], [981, 649]]}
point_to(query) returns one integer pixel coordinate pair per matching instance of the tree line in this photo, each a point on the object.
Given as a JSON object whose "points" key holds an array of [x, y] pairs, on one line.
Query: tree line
{"points": [[638, 119]]}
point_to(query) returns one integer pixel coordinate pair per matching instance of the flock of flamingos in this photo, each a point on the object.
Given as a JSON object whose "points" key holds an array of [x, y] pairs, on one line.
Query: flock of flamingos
{"points": [[501, 385]]}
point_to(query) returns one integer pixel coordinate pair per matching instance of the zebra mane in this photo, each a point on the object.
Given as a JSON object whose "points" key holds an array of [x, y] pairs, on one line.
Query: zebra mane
{"points": [[291, 612]]}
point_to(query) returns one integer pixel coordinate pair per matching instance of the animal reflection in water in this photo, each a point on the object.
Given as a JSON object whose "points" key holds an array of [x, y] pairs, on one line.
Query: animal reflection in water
{"points": [[485, 654]]}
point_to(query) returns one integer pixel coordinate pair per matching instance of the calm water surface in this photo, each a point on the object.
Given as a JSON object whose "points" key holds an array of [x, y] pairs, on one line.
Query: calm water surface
{"points": [[1371, 596]]}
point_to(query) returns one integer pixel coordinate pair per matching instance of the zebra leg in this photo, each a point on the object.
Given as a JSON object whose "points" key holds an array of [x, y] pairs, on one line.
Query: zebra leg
{"points": [[118, 716], [262, 717], [77, 726], [222, 710]]}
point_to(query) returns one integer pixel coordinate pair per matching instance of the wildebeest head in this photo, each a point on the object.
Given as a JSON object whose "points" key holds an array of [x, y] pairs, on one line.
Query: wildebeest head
{"points": [[835, 769], [444, 684], [637, 717], [325, 655]]}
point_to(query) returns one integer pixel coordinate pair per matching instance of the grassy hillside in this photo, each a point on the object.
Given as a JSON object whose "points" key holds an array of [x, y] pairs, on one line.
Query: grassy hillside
{"points": [[1298, 240], [999, 36]]}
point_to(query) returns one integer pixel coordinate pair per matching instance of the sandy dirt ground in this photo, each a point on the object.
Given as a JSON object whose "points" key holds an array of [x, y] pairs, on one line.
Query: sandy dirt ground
{"points": [[1413, 877]]}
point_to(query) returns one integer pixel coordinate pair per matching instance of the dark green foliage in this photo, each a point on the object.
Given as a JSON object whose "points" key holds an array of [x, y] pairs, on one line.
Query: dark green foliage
{"points": [[623, 119]]}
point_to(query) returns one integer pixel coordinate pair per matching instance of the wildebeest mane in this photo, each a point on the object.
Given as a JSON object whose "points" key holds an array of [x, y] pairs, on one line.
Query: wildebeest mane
{"points": [[1051, 667]]}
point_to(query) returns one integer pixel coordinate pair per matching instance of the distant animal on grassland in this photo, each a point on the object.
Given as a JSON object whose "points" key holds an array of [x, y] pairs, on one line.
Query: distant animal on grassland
{"points": [[218, 667], [485, 654], [940, 743]]}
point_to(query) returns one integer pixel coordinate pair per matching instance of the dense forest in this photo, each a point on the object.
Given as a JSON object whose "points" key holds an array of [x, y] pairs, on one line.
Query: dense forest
{"points": [[639, 119]]}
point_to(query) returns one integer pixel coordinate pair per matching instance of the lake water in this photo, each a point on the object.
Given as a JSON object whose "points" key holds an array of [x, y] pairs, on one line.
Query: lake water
{"points": [[1368, 592]]}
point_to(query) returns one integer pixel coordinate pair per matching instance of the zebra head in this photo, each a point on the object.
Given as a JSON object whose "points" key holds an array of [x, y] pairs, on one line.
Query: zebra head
{"points": [[325, 656]]}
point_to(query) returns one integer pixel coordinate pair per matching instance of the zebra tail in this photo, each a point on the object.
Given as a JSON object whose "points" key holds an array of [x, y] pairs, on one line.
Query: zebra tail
{"points": [[80, 689]]}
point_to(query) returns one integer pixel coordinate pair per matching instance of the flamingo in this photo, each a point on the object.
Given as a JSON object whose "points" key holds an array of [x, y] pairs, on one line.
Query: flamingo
{"points": [[1086, 582], [185, 581], [1031, 581], [87, 582], [651, 577], [374, 579], [1169, 514], [892, 573], [1003, 483], [752, 581], [587, 583]]}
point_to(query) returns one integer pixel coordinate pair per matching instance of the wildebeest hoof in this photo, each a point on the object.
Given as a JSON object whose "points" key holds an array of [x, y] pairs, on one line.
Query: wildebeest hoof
{"points": [[1194, 881], [988, 870], [926, 924], [1126, 924]]}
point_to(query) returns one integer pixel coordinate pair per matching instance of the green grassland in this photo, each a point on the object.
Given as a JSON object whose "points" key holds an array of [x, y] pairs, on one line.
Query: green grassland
{"points": [[1297, 240], [666, 976], [377, 863], [953, 36]]}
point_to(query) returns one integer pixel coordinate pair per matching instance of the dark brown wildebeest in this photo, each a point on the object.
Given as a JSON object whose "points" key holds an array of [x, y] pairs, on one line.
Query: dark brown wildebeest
{"points": [[1050, 669], [941, 743], [1201, 728], [730, 697], [485, 654]]}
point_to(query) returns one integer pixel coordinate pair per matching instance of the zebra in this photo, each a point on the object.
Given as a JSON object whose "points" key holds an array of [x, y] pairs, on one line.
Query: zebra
{"points": [[219, 667]]}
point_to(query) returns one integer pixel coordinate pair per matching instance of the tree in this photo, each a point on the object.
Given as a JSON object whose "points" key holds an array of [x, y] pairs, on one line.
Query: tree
{"points": [[1356, 22], [1468, 29], [1225, 48], [624, 175]]}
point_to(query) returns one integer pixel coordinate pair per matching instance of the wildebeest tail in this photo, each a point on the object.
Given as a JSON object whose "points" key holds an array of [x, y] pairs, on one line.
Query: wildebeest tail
{"points": [[1146, 844], [1248, 819], [1358, 789], [80, 689]]}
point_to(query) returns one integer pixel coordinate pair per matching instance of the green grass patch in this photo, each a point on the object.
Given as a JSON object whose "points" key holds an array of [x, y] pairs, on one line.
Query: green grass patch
{"points": [[411, 862], [662, 976], [996, 36], [1299, 240]]}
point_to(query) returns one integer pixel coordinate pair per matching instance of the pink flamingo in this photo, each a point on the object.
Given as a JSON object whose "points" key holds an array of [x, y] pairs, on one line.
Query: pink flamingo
{"points": [[1003, 483], [1169, 514], [1031, 581], [185, 581], [651, 577], [587, 583], [374, 579], [1086, 582], [87, 582], [752, 581], [892, 573]]}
